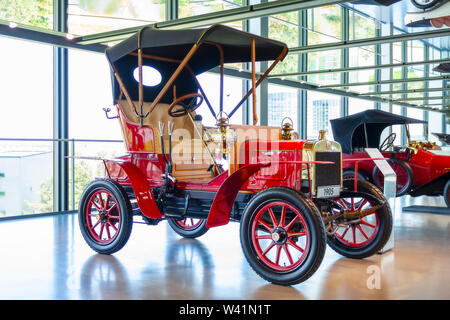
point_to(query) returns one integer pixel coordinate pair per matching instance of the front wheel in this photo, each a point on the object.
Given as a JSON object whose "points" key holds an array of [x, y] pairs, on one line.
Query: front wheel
{"points": [[368, 226], [188, 227], [105, 216], [282, 236]]}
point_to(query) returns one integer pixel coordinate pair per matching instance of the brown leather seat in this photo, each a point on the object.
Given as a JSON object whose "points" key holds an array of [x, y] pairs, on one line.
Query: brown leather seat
{"points": [[190, 159]]}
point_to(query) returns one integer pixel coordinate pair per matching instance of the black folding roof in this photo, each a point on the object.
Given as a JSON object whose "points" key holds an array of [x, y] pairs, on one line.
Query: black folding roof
{"points": [[175, 44], [349, 131]]}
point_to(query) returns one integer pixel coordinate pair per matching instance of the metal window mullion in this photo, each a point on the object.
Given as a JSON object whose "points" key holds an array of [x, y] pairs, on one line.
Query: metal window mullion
{"points": [[302, 96], [378, 62], [445, 84], [171, 9], [404, 86], [426, 85], [60, 113], [345, 30]]}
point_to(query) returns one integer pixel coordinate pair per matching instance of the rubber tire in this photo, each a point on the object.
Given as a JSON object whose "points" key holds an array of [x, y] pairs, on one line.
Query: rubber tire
{"points": [[425, 6], [409, 173], [195, 233], [351, 172], [315, 226], [384, 231], [125, 210], [446, 194]]}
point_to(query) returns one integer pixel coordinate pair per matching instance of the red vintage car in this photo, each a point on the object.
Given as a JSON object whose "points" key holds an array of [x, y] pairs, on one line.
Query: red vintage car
{"points": [[422, 168], [288, 195]]}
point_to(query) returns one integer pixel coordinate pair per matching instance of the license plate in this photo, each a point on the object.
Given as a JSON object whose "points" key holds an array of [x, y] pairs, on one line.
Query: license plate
{"points": [[328, 191]]}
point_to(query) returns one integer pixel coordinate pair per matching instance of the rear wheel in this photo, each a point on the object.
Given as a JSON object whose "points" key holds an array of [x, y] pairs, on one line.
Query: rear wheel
{"points": [[188, 227], [350, 174], [282, 236], [105, 216], [364, 236], [404, 176], [446, 193]]}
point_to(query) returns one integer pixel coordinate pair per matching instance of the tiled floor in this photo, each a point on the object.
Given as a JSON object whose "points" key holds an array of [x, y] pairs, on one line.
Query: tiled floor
{"points": [[46, 258]]}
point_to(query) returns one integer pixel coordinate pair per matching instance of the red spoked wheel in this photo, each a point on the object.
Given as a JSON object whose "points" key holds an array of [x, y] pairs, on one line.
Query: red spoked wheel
{"points": [[189, 223], [105, 216], [366, 225], [282, 236], [446, 194], [188, 227], [360, 233], [404, 176]]}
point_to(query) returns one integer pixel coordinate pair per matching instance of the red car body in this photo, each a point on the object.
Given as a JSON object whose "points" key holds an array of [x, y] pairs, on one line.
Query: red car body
{"points": [[287, 194]]}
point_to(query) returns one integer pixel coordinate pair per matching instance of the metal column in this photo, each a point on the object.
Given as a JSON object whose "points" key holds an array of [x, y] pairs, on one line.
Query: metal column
{"points": [[60, 113]]}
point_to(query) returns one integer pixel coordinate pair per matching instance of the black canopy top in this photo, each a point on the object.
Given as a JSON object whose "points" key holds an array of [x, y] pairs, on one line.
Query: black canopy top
{"points": [[349, 131], [174, 45]]}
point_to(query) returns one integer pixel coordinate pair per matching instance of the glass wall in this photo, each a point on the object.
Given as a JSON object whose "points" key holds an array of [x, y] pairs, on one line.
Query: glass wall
{"points": [[321, 109], [94, 16], [361, 27], [189, 8], [26, 170], [89, 93], [283, 102], [415, 53], [90, 84], [324, 26], [37, 13]]}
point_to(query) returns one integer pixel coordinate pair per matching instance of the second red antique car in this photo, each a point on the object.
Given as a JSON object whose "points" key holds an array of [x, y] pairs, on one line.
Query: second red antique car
{"points": [[288, 195], [422, 168]]}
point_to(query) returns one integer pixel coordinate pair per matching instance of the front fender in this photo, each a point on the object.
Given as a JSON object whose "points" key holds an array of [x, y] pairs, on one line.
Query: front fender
{"points": [[224, 199], [142, 190]]}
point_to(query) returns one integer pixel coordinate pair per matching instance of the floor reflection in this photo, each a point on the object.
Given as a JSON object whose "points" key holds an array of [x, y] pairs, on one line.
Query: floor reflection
{"points": [[47, 258], [104, 277], [189, 263]]}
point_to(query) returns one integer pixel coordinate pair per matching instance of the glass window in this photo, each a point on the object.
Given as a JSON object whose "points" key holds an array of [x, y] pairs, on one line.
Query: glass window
{"points": [[416, 130], [27, 113], [189, 8], [397, 73], [94, 16], [362, 28], [359, 105], [434, 125], [282, 103], [321, 109], [398, 129], [324, 26], [285, 28], [37, 13], [232, 94], [89, 93], [323, 60]]}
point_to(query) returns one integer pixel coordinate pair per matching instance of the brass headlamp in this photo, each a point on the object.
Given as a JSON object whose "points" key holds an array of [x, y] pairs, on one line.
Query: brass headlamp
{"points": [[286, 129]]}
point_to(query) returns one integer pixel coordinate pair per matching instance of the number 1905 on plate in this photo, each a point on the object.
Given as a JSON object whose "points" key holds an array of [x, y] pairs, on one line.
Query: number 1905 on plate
{"points": [[328, 191]]}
